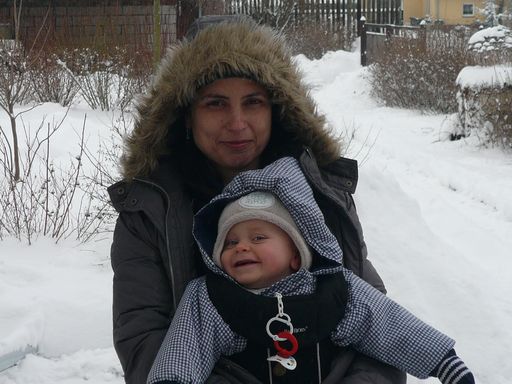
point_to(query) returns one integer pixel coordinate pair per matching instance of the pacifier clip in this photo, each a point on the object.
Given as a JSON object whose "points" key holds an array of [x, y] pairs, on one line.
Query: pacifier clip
{"points": [[283, 356]]}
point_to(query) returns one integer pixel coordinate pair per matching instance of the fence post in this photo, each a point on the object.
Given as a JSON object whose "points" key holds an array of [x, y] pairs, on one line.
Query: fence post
{"points": [[157, 31], [187, 13], [358, 16], [423, 36], [389, 32], [362, 28]]}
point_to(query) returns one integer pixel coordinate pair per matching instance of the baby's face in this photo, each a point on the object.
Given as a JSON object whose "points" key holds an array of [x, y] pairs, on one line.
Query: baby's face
{"points": [[257, 254]]}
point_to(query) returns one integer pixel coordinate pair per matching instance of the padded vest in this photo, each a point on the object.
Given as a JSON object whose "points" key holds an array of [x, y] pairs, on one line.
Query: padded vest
{"points": [[313, 317]]}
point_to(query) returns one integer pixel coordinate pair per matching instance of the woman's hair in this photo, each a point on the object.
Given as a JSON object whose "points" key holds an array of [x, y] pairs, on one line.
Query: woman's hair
{"points": [[239, 48]]}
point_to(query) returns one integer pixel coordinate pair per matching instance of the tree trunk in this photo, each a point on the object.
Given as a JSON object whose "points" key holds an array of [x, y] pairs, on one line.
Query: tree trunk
{"points": [[15, 145]]}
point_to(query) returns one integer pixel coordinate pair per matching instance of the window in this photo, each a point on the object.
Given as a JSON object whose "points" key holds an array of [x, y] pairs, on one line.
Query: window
{"points": [[467, 10]]}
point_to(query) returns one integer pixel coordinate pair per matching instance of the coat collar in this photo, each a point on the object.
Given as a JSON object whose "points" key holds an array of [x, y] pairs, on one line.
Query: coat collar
{"points": [[340, 174]]}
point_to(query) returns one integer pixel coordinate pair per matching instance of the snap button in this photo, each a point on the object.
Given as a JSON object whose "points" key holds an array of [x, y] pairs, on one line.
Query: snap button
{"points": [[120, 191], [133, 201], [348, 183]]}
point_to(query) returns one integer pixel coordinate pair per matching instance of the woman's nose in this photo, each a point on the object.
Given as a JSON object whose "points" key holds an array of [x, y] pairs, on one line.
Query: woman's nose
{"points": [[237, 119]]}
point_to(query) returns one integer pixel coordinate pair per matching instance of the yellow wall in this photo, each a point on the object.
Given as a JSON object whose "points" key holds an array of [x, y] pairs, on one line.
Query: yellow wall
{"points": [[413, 8], [450, 11]]}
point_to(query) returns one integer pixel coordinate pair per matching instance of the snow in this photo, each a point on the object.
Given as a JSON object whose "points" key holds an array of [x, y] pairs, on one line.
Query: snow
{"points": [[498, 32], [480, 77], [498, 38], [437, 218]]}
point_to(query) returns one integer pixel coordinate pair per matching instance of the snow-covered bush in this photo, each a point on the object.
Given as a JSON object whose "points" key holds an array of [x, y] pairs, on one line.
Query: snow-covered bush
{"points": [[314, 39], [15, 88], [491, 45], [485, 104], [56, 198], [51, 81], [109, 80], [490, 12], [420, 73], [496, 13]]}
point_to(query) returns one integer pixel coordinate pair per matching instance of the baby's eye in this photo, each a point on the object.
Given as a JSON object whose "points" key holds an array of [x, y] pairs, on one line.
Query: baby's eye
{"points": [[230, 243], [259, 237]]}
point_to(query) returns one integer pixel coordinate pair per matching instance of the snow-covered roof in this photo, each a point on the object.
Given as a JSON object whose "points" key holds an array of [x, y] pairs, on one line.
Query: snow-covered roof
{"points": [[485, 77]]}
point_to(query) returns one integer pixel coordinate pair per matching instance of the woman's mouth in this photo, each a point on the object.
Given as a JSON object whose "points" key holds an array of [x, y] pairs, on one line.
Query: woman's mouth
{"points": [[237, 144]]}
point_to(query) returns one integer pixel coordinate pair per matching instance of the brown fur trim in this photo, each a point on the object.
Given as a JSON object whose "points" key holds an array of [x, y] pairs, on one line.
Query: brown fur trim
{"points": [[242, 49]]}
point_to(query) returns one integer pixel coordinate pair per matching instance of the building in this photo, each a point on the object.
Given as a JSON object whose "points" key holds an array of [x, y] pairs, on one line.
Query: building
{"points": [[449, 12]]}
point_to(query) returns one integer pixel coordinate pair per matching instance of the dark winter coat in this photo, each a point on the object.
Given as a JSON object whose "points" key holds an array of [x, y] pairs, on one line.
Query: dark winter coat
{"points": [[153, 258], [153, 252]]}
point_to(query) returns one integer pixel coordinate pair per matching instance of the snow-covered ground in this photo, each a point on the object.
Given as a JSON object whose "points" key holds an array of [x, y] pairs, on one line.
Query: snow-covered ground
{"points": [[437, 217]]}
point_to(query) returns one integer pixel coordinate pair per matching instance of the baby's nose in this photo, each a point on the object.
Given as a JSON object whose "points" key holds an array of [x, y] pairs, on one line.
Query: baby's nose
{"points": [[242, 246]]}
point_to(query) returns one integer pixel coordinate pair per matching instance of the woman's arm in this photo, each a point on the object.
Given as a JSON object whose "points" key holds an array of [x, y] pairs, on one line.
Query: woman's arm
{"points": [[142, 302]]}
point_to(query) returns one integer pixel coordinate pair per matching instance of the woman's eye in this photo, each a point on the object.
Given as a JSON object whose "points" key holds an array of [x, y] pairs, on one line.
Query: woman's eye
{"points": [[254, 101], [215, 103]]}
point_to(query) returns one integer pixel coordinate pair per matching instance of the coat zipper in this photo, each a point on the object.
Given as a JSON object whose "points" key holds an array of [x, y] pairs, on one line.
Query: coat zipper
{"points": [[171, 268]]}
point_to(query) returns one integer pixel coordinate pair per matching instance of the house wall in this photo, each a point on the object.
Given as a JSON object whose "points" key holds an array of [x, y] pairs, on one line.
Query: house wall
{"points": [[450, 11], [413, 8]]}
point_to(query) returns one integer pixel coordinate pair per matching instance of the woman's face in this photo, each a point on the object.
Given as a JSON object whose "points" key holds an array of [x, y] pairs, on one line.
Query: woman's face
{"points": [[231, 123]]}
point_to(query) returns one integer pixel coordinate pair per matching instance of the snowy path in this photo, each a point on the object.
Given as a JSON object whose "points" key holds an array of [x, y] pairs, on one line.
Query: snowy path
{"points": [[443, 209]]}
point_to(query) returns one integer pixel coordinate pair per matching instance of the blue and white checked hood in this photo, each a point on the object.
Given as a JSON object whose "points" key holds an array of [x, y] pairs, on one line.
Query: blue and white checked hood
{"points": [[285, 179]]}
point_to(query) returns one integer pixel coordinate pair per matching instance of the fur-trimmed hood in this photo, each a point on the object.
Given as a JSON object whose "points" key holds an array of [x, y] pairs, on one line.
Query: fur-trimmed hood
{"points": [[235, 49]]}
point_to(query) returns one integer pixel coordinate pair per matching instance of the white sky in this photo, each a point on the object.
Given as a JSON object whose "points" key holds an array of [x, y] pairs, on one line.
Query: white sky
{"points": [[437, 217]]}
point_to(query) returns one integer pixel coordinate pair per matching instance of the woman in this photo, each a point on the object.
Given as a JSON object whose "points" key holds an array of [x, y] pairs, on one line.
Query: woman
{"points": [[226, 101]]}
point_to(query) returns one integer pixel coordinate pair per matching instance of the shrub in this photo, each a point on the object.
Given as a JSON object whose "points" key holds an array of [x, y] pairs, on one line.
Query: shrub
{"points": [[491, 46], [51, 81], [109, 79], [106, 79], [420, 73], [53, 199], [485, 109], [314, 39]]}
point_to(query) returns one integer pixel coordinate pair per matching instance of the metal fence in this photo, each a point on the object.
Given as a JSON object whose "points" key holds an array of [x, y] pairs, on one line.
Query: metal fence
{"points": [[445, 38], [337, 13]]}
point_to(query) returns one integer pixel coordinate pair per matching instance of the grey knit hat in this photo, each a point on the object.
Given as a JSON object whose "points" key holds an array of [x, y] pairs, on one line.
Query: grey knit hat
{"points": [[261, 206]]}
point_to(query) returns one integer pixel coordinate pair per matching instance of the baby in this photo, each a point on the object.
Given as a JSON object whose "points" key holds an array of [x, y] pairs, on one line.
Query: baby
{"points": [[278, 300]]}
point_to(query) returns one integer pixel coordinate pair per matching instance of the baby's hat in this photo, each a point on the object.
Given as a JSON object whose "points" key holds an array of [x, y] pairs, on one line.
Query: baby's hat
{"points": [[260, 206]]}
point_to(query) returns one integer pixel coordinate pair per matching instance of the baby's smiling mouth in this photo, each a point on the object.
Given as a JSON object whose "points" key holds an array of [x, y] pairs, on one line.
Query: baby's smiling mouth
{"points": [[243, 263]]}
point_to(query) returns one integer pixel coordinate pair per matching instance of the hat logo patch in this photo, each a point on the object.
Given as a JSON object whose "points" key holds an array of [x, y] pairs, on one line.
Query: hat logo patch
{"points": [[257, 200]]}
